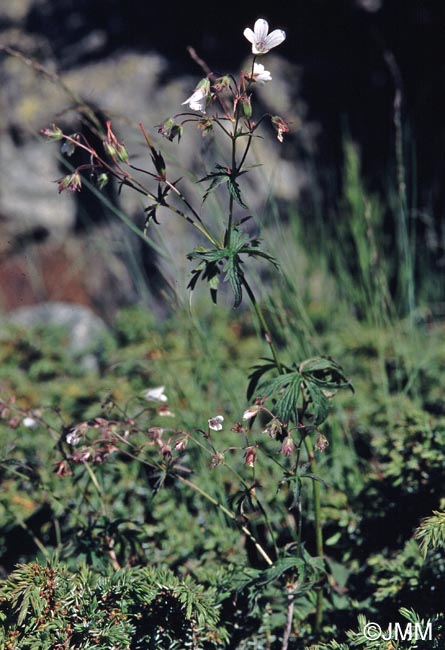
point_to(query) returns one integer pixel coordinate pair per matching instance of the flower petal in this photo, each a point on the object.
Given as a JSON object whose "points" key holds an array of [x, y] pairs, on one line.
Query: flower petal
{"points": [[215, 423], [156, 394], [261, 28], [274, 38], [248, 33]]}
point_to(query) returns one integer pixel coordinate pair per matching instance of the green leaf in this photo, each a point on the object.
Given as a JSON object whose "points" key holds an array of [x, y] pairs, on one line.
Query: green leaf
{"points": [[286, 406], [321, 404], [256, 374], [235, 276], [235, 191], [288, 387], [325, 372]]}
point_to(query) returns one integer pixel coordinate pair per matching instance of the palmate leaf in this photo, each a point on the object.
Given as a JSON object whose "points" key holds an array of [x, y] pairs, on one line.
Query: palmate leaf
{"points": [[208, 269], [235, 191], [210, 272], [313, 384], [308, 569], [256, 374], [235, 275], [151, 209], [286, 405], [320, 403], [287, 386], [325, 373], [217, 180], [224, 175]]}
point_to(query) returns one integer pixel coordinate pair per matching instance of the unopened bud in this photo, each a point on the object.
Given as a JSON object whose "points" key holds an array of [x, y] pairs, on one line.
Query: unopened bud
{"points": [[110, 149], [221, 83], [281, 126], [71, 182], [247, 106], [250, 455], [121, 153], [102, 180], [53, 133], [321, 443], [170, 130], [251, 412], [287, 447]]}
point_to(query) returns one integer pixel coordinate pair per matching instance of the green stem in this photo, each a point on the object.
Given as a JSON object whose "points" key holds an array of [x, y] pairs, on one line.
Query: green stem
{"points": [[309, 449], [229, 514], [253, 494], [233, 170], [318, 528], [198, 224], [263, 325]]}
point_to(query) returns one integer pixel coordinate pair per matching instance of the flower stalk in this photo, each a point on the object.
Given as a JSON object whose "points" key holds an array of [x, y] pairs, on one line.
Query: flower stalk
{"points": [[297, 416]]}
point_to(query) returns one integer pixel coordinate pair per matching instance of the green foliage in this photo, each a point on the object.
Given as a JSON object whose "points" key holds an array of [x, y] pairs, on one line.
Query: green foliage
{"points": [[409, 632], [224, 175], [431, 532], [98, 472], [209, 268], [49, 607], [314, 384]]}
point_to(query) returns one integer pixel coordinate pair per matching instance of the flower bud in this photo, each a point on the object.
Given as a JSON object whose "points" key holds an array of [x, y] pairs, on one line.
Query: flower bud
{"points": [[71, 182], [62, 468], [170, 130], [251, 412], [113, 147], [53, 133], [206, 126], [273, 428], [121, 153], [247, 106], [281, 126], [287, 446], [221, 83], [250, 456], [102, 180], [321, 443], [181, 444], [217, 459]]}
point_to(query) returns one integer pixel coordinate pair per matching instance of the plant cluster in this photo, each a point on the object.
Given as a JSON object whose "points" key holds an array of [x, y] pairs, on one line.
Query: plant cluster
{"points": [[134, 476]]}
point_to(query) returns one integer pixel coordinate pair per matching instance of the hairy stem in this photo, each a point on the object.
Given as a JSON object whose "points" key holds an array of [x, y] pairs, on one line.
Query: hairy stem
{"points": [[318, 528], [263, 325], [229, 514]]}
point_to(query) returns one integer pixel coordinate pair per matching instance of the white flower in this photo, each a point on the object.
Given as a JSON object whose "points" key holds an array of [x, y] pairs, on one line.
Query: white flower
{"points": [[198, 101], [156, 394], [250, 412], [29, 422], [261, 41], [216, 423], [260, 75], [72, 437]]}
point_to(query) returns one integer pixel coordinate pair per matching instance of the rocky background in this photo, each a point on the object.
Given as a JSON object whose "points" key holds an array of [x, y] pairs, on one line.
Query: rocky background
{"points": [[340, 71]]}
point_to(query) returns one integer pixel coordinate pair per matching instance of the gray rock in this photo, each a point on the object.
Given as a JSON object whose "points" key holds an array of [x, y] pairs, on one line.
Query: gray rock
{"points": [[86, 331]]}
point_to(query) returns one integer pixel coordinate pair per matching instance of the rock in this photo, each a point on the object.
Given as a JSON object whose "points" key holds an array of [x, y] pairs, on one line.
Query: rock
{"points": [[86, 331]]}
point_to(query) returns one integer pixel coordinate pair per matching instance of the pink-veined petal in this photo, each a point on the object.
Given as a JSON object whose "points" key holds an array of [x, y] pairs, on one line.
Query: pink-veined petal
{"points": [[261, 28], [274, 38], [248, 33]]}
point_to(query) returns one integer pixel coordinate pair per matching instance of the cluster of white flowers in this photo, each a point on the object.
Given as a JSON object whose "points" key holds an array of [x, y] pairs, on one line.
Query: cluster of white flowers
{"points": [[262, 42]]}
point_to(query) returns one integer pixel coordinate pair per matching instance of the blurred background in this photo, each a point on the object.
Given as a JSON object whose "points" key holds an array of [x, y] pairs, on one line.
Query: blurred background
{"points": [[359, 80]]}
